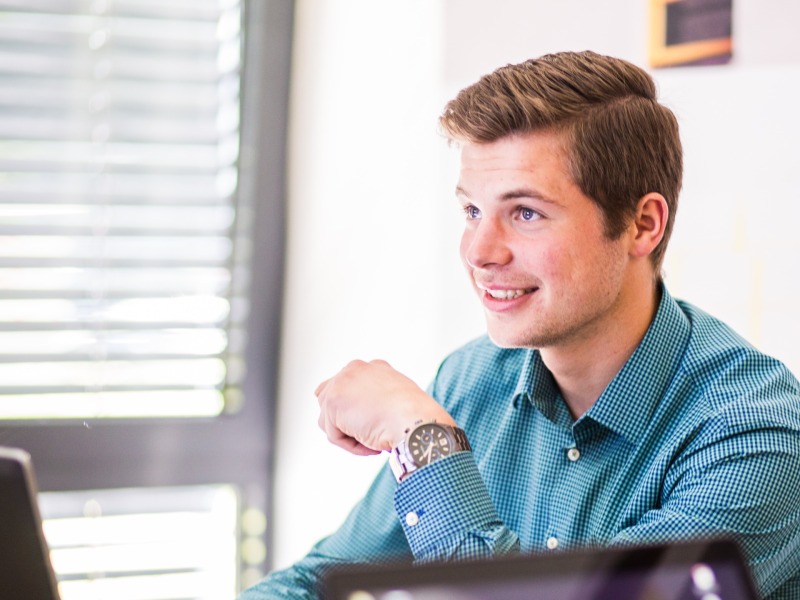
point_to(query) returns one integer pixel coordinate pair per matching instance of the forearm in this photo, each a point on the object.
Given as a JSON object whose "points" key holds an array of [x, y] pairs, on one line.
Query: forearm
{"points": [[370, 534], [298, 582]]}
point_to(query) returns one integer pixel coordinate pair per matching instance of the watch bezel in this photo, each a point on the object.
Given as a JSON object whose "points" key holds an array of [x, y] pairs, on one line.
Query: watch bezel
{"points": [[446, 435]]}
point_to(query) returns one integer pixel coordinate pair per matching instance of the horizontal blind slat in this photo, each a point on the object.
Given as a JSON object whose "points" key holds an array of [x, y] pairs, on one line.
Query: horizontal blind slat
{"points": [[119, 150]]}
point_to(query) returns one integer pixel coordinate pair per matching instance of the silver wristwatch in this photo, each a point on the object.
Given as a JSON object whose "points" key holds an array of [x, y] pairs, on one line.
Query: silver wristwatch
{"points": [[423, 444]]}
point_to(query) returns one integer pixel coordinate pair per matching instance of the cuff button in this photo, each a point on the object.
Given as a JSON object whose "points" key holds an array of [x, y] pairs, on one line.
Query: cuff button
{"points": [[412, 519]]}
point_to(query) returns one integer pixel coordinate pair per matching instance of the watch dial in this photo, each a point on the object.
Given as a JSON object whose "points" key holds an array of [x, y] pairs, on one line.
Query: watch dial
{"points": [[428, 443]]}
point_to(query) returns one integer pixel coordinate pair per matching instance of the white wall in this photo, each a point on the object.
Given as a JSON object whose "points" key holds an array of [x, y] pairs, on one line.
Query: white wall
{"points": [[364, 210], [373, 270]]}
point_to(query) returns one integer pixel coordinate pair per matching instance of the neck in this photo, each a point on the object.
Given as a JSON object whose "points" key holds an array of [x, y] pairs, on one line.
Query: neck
{"points": [[584, 367]]}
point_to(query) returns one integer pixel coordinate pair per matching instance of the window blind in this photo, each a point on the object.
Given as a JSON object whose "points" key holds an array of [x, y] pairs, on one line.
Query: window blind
{"points": [[123, 266], [175, 543]]}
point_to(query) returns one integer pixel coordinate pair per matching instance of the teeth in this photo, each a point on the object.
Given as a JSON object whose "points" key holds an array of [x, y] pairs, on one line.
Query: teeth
{"points": [[508, 294]]}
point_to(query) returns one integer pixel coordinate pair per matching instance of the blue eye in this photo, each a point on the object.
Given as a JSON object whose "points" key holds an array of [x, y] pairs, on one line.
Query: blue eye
{"points": [[472, 212], [528, 214]]}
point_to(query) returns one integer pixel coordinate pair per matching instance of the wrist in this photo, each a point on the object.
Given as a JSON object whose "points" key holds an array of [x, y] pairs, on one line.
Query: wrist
{"points": [[440, 417]]}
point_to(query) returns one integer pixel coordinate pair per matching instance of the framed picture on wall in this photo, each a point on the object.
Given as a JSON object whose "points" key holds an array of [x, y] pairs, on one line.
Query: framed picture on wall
{"points": [[690, 32]]}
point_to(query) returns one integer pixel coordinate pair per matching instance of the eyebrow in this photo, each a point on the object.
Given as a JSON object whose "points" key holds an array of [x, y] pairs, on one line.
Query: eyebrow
{"points": [[514, 194]]}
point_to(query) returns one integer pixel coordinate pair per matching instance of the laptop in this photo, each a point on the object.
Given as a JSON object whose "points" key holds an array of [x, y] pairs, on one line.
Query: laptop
{"points": [[703, 570], [26, 572]]}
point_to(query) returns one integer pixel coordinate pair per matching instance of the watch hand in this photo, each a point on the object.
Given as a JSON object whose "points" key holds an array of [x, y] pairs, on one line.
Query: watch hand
{"points": [[427, 456]]}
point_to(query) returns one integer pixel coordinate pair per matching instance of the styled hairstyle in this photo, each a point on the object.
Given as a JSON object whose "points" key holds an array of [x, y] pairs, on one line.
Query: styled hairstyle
{"points": [[621, 143]]}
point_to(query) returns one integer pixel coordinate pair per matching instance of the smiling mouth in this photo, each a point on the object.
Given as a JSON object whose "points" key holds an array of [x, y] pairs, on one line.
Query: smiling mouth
{"points": [[508, 294]]}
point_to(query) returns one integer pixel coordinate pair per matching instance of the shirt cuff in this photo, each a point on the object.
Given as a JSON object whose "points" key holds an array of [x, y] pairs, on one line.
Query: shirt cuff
{"points": [[443, 501]]}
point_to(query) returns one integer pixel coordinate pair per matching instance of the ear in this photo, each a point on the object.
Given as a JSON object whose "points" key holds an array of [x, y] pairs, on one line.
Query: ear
{"points": [[649, 224]]}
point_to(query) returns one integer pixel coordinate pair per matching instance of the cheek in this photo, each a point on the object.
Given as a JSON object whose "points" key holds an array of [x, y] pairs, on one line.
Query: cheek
{"points": [[552, 263], [573, 258]]}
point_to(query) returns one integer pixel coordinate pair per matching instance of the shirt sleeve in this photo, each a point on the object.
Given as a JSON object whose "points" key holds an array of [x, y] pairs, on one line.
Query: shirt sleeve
{"points": [[445, 508], [441, 512], [370, 534], [742, 484], [447, 514]]}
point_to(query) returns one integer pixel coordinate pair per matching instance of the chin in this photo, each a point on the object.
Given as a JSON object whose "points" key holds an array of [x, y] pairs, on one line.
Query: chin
{"points": [[507, 337]]}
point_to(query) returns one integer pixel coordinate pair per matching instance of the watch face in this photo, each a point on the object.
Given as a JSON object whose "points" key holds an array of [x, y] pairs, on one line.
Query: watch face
{"points": [[428, 443]]}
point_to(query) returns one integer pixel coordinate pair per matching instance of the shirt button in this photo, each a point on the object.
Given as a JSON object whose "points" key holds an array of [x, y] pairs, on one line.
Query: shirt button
{"points": [[552, 543], [412, 519], [573, 454]]}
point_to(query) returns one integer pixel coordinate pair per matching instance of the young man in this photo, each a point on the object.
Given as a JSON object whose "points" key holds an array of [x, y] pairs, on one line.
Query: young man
{"points": [[599, 410]]}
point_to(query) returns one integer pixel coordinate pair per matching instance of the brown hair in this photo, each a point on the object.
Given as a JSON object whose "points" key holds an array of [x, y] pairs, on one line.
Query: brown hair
{"points": [[621, 143]]}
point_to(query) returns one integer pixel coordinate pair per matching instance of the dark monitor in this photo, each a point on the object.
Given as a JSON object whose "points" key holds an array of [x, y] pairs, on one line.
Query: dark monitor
{"points": [[708, 570], [25, 568]]}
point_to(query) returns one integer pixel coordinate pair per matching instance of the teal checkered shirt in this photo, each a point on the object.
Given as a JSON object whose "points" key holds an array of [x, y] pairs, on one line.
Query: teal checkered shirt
{"points": [[697, 435]]}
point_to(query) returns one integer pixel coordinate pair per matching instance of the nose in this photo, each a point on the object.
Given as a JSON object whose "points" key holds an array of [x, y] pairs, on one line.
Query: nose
{"points": [[485, 244]]}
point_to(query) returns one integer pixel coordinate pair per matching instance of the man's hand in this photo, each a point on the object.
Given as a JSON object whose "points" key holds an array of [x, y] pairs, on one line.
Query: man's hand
{"points": [[367, 407]]}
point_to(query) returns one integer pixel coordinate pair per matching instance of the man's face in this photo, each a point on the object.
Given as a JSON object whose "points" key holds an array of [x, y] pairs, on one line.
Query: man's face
{"points": [[534, 246]]}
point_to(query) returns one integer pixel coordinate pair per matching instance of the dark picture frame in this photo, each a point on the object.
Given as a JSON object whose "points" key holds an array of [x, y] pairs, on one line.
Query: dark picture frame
{"points": [[690, 32]]}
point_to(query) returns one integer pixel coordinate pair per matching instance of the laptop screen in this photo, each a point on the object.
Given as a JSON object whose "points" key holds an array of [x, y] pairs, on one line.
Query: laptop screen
{"points": [[25, 570], [687, 571]]}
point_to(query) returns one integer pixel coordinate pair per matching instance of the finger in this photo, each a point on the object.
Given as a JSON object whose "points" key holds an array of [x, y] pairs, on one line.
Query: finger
{"points": [[354, 447], [321, 387], [342, 440], [362, 450]]}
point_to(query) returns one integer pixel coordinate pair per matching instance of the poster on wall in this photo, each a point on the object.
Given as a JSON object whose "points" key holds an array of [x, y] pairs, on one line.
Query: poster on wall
{"points": [[690, 32]]}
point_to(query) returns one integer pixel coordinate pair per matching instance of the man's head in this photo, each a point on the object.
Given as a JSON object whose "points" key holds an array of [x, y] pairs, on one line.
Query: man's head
{"points": [[620, 142]]}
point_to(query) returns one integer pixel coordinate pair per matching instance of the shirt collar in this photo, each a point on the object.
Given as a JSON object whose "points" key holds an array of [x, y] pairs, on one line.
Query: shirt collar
{"points": [[629, 400], [537, 386]]}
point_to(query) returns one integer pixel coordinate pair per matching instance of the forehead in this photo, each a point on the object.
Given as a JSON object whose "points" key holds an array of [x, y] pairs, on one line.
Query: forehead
{"points": [[534, 157]]}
